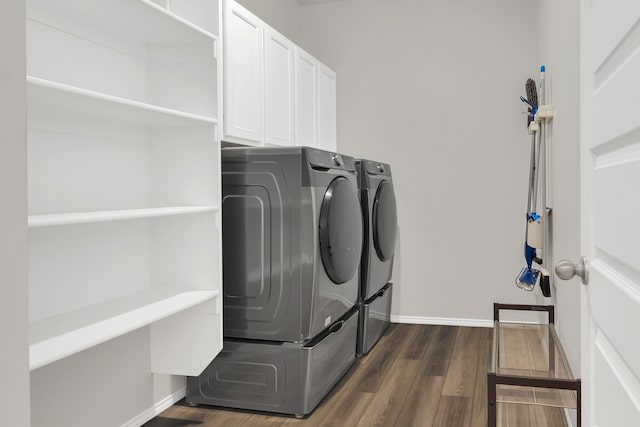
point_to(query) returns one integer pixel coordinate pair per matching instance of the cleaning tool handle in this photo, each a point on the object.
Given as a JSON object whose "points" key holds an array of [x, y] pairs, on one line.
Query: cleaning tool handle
{"points": [[542, 84]]}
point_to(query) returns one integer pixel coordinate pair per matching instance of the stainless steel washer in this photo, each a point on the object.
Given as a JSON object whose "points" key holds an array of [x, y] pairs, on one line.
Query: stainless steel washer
{"points": [[292, 242]]}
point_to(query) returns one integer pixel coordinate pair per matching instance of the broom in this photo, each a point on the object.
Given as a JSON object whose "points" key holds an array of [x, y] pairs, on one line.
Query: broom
{"points": [[528, 276]]}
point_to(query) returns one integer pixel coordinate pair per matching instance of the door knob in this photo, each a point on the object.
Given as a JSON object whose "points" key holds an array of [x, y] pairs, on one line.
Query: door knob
{"points": [[566, 270]]}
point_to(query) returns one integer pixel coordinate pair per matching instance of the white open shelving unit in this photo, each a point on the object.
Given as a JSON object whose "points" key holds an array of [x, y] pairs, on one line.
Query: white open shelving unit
{"points": [[124, 178]]}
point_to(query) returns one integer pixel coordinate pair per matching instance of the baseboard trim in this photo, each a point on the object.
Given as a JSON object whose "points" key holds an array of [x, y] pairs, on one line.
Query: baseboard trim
{"points": [[447, 321], [157, 408]]}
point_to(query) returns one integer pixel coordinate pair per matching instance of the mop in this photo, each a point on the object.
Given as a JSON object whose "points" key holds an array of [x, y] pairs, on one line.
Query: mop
{"points": [[528, 276], [542, 234]]}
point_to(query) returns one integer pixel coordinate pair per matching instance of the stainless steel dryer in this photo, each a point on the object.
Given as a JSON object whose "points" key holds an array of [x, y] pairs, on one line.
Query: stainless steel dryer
{"points": [[379, 214], [292, 242]]}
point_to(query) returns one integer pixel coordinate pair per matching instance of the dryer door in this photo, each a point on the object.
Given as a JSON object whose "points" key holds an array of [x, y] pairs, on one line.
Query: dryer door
{"points": [[384, 221], [341, 230]]}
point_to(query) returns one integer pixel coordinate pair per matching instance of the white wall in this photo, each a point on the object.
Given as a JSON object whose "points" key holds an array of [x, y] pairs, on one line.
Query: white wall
{"points": [[14, 356], [283, 15], [107, 385], [433, 87], [559, 50], [104, 386]]}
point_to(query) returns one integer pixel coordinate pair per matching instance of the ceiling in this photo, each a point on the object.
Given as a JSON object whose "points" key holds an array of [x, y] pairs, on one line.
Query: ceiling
{"points": [[303, 2]]}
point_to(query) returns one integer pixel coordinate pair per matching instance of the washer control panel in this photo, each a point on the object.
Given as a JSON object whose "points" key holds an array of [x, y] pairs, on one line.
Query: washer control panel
{"points": [[329, 160]]}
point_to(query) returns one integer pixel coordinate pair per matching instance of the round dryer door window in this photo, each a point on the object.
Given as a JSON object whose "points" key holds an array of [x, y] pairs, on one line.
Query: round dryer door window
{"points": [[341, 230], [384, 221]]}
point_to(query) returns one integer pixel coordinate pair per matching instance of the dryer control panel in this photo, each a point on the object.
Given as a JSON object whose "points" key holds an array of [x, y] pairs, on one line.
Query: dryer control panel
{"points": [[376, 168]]}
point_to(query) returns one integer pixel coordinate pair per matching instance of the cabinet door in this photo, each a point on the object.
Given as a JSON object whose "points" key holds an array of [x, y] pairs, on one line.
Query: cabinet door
{"points": [[243, 75], [279, 88], [306, 98], [326, 108]]}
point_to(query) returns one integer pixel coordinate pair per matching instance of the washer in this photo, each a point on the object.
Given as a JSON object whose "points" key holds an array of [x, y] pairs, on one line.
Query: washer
{"points": [[379, 213], [292, 243]]}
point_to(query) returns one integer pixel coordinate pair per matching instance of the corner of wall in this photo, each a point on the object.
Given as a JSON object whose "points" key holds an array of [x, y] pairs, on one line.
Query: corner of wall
{"points": [[14, 370], [559, 42]]}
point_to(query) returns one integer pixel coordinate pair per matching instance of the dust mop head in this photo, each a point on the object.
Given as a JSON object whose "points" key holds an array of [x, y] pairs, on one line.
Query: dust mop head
{"points": [[532, 96], [527, 278], [532, 92]]}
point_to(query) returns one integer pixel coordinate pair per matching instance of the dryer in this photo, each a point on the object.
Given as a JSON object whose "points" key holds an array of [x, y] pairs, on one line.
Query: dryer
{"points": [[292, 242], [379, 213]]}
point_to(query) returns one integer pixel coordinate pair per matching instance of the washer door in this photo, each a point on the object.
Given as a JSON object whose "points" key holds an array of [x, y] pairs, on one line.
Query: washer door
{"points": [[384, 221], [341, 230]]}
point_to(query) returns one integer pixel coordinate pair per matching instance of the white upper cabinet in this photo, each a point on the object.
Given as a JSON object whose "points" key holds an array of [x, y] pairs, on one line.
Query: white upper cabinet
{"points": [[274, 92], [279, 67], [306, 98], [243, 75], [327, 138]]}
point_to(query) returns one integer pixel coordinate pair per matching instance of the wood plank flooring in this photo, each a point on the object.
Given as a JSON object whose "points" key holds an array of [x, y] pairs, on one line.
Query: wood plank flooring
{"points": [[417, 375]]}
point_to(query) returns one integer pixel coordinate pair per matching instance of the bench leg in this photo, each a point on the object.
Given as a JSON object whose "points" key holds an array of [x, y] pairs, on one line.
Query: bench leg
{"points": [[492, 406]]}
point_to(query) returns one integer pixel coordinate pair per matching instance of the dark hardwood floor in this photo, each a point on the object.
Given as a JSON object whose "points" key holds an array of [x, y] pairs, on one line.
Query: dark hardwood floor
{"points": [[417, 375]]}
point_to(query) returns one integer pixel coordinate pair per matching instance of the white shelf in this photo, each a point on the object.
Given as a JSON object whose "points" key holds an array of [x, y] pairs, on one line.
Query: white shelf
{"points": [[118, 215], [61, 336], [82, 102], [141, 20], [123, 108]]}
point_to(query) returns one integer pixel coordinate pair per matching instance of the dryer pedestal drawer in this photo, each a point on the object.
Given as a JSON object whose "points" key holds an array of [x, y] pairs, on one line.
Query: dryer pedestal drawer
{"points": [[289, 378], [375, 314]]}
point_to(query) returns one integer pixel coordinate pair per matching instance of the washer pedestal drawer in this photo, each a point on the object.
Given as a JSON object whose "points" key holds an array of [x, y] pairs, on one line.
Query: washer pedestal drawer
{"points": [[290, 378], [375, 314]]}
